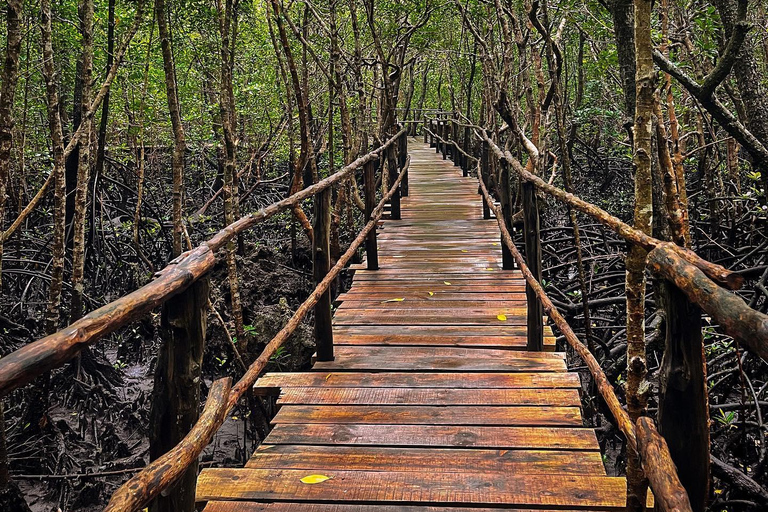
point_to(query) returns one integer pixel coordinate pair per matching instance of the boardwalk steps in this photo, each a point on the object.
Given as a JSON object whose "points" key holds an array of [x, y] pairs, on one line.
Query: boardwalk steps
{"points": [[432, 403]]}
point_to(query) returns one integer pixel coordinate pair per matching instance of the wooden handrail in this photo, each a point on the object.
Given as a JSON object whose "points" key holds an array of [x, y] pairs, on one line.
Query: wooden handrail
{"points": [[746, 325], [152, 480], [728, 278], [23, 365], [664, 483]]}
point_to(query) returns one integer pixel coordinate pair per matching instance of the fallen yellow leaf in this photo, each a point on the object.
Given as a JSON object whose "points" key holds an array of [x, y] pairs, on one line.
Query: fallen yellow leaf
{"points": [[495, 243], [431, 293], [489, 268], [464, 250], [447, 283], [401, 299], [501, 317], [314, 479]]}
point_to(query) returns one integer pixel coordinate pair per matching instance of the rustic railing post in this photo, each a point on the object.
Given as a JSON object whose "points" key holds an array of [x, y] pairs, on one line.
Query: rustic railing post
{"points": [[369, 187], [683, 407], [505, 198], [394, 201], [402, 150], [444, 135], [176, 392], [467, 145], [455, 147], [533, 258], [438, 133], [425, 128], [484, 171], [321, 264]]}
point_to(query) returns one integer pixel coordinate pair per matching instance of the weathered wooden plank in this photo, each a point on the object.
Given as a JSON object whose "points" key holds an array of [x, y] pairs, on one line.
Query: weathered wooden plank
{"points": [[369, 458], [250, 506], [509, 316], [430, 415], [506, 342], [436, 330], [271, 382], [400, 487], [448, 436], [427, 396]]}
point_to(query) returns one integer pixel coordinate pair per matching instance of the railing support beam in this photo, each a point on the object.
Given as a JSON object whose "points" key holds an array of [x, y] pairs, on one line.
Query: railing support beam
{"points": [[394, 202], [402, 153], [683, 406], [484, 172], [505, 198], [176, 393], [369, 187], [533, 257], [320, 267]]}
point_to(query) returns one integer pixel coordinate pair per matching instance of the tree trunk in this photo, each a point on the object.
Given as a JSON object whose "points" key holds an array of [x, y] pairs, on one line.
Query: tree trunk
{"points": [[635, 264], [174, 110]]}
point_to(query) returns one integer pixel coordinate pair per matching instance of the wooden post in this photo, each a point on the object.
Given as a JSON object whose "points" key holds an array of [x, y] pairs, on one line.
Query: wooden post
{"points": [[533, 258], [455, 148], [438, 133], [683, 405], [403, 157], [484, 170], [321, 265], [444, 135], [394, 202], [176, 392], [425, 128], [467, 145], [505, 198], [369, 187]]}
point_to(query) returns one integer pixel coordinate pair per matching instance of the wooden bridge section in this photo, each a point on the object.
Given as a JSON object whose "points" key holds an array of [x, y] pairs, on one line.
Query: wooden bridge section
{"points": [[432, 401]]}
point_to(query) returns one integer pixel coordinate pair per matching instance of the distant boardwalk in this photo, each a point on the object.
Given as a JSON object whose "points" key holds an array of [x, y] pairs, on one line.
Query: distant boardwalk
{"points": [[431, 402]]}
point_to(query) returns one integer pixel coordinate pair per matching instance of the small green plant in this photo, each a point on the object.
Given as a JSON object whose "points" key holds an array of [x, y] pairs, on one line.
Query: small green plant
{"points": [[119, 365], [726, 419], [250, 329], [221, 361]]}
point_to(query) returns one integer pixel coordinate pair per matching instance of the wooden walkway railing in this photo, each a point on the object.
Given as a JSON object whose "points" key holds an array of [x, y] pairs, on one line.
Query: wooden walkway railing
{"points": [[698, 281]]}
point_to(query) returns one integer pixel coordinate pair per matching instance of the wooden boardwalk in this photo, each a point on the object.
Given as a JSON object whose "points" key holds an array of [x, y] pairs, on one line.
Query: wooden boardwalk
{"points": [[432, 402]]}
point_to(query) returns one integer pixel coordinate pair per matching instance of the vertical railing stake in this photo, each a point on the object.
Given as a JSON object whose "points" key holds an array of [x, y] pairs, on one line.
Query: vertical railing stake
{"points": [[425, 128], [484, 171], [321, 265], [402, 158], [533, 258], [369, 187], [455, 148], [444, 135], [505, 198], [394, 202], [467, 145], [176, 392]]}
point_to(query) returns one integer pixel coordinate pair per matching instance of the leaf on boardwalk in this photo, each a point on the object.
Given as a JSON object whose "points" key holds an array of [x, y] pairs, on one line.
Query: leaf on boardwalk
{"points": [[431, 294], [489, 268], [501, 317], [314, 479], [401, 299], [446, 283], [464, 250], [495, 243]]}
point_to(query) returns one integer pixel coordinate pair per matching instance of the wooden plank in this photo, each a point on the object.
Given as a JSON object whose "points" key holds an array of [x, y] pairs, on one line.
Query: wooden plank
{"points": [[271, 382], [250, 506], [428, 396], [369, 458], [447, 436], [505, 342], [532, 416], [423, 304], [429, 317], [442, 358], [564, 491], [438, 295]]}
